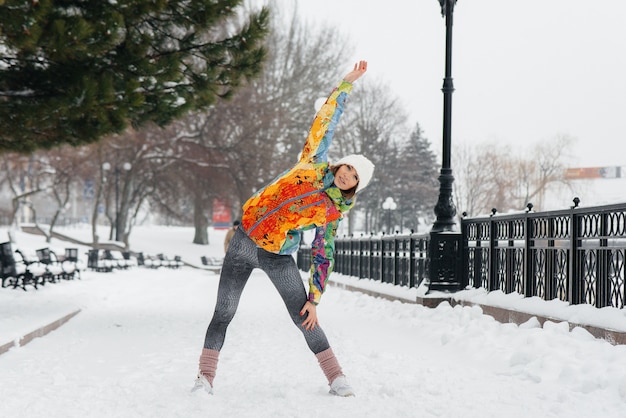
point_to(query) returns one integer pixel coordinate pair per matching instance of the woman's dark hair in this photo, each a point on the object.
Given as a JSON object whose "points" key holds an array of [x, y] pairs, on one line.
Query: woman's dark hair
{"points": [[347, 194]]}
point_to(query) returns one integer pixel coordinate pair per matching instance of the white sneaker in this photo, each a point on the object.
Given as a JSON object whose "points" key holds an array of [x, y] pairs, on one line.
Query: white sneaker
{"points": [[202, 383], [341, 387]]}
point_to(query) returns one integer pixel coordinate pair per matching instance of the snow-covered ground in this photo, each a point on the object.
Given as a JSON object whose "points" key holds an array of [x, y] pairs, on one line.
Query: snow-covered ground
{"points": [[132, 351]]}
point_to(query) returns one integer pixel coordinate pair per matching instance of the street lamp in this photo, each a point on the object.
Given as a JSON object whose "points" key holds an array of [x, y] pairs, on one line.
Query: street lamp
{"points": [[116, 171], [445, 247], [389, 205], [445, 208]]}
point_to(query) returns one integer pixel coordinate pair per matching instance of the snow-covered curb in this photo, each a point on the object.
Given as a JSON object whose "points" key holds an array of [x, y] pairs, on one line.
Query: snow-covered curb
{"points": [[606, 323], [39, 332]]}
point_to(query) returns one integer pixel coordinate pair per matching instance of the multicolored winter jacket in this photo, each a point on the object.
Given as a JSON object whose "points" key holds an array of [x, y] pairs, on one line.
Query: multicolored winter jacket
{"points": [[303, 198]]}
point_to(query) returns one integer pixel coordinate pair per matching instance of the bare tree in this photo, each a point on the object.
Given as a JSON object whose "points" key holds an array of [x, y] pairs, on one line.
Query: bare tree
{"points": [[491, 175], [241, 144], [23, 177], [230, 150], [127, 169], [197, 176], [374, 125], [65, 166], [472, 180], [544, 166]]}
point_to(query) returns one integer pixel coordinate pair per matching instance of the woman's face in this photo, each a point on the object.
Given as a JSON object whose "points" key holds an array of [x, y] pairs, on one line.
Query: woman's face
{"points": [[346, 177]]}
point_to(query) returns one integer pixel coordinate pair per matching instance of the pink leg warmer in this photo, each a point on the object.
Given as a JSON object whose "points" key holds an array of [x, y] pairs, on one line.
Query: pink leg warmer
{"points": [[208, 364], [329, 364]]}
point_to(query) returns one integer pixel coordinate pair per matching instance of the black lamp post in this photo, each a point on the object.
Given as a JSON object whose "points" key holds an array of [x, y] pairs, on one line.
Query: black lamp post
{"points": [[445, 247], [445, 208]]}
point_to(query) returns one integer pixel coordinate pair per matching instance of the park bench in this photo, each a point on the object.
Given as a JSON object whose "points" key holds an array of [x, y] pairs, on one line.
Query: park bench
{"points": [[16, 272], [118, 259], [174, 263], [54, 269], [212, 263], [150, 261], [35, 270], [97, 263], [140, 259], [66, 268], [71, 254], [9, 272], [131, 260], [71, 257]]}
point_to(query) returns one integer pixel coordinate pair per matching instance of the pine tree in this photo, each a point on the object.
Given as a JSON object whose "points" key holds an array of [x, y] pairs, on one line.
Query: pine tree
{"points": [[418, 189], [72, 71]]}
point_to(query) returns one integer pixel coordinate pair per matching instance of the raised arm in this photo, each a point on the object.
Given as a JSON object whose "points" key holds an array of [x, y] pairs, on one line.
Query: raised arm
{"points": [[359, 69], [323, 128]]}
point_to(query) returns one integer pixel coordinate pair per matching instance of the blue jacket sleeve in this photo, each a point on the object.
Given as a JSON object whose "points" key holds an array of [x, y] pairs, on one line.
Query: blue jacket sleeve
{"points": [[321, 133], [322, 259]]}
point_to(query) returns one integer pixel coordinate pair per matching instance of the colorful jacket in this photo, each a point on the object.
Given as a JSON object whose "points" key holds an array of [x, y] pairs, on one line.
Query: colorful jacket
{"points": [[303, 198]]}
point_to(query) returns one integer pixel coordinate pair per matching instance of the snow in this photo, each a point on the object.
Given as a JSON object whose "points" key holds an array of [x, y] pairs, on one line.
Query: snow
{"points": [[133, 349]]}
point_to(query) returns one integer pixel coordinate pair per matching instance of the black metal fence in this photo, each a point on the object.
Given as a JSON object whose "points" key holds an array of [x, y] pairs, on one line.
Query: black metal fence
{"points": [[576, 255], [398, 259]]}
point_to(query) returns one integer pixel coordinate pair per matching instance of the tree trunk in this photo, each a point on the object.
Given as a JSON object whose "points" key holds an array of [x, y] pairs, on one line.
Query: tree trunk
{"points": [[200, 222], [61, 204], [94, 214], [53, 222]]}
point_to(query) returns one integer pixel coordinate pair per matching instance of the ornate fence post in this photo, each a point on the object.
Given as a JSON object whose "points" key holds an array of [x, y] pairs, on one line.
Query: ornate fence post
{"points": [[530, 280], [493, 251], [574, 289], [376, 258], [604, 256], [388, 259]]}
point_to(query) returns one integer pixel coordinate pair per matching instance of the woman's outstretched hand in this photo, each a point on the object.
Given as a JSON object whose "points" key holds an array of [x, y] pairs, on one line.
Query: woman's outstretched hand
{"points": [[359, 69], [311, 320]]}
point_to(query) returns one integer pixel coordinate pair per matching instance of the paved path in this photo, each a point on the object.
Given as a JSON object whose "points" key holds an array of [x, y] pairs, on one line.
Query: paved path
{"points": [[132, 352]]}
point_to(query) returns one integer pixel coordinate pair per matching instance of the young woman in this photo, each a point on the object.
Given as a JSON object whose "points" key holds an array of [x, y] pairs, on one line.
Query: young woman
{"points": [[312, 194]]}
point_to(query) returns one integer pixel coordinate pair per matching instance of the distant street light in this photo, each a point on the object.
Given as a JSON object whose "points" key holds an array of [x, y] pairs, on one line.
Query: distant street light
{"points": [[389, 205], [116, 171]]}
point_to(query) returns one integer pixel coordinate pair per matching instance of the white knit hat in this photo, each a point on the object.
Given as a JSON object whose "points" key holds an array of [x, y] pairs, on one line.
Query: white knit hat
{"points": [[364, 168]]}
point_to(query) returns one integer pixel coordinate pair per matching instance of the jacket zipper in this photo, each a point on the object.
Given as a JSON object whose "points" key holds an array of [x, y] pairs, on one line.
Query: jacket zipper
{"points": [[317, 202], [283, 204]]}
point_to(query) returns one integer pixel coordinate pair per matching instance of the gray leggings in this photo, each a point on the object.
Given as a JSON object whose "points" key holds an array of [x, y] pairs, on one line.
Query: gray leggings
{"points": [[241, 257]]}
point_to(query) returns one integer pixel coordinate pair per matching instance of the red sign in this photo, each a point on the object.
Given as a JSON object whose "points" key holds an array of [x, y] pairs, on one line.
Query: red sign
{"points": [[221, 214]]}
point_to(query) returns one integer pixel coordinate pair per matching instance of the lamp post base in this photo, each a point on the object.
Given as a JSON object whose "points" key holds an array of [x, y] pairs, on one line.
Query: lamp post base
{"points": [[445, 253]]}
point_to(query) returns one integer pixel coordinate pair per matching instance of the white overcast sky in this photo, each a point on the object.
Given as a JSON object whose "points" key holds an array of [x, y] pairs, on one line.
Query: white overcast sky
{"points": [[524, 71]]}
